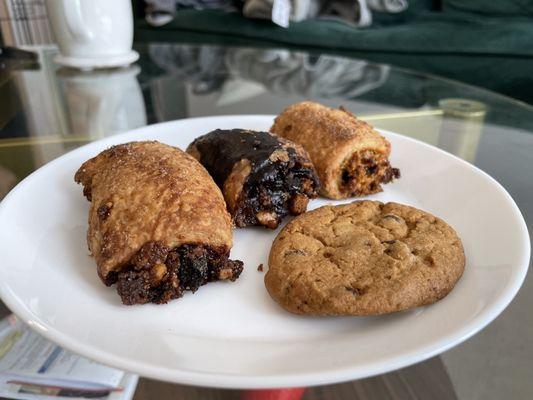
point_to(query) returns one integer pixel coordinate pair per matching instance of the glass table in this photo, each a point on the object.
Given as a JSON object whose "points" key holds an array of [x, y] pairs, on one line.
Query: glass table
{"points": [[46, 111]]}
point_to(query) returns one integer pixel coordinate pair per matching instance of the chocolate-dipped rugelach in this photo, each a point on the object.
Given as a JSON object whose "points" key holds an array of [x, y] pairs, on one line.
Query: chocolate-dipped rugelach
{"points": [[350, 157], [263, 177], [158, 224]]}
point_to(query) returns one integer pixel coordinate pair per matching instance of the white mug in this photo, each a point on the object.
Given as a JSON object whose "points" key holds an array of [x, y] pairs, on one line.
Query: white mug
{"points": [[92, 29]]}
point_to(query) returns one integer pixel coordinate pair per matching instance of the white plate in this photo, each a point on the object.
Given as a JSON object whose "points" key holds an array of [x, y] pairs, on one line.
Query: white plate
{"points": [[233, 334]]}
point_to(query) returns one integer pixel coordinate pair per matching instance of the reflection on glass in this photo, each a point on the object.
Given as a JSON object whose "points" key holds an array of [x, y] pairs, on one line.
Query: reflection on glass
{"points": [[202, 66], [8, 180], [279, 71], [104, 102], [307, 75], [211, 80]]}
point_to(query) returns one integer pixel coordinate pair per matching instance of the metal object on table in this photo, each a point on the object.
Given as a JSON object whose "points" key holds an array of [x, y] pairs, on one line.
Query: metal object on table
{"points": [[463, 108], [462, 126]]}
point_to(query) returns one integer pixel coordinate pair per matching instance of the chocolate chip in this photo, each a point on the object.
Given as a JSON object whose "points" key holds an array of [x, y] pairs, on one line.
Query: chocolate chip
{"points": [[390, 174], [430, 261], [371, 170], [396, 173], [193, 271], [392, 216], [104, 210], [345, 176], [357, 291], [295, 251]]}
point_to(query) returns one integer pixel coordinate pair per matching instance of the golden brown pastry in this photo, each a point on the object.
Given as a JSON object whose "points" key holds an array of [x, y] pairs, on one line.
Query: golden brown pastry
{"points": [[263, 177], [158, 223], [350, 157]]}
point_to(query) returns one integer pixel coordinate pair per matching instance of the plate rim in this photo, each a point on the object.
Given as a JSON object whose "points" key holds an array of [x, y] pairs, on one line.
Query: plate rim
{"points": [[222, 380]]}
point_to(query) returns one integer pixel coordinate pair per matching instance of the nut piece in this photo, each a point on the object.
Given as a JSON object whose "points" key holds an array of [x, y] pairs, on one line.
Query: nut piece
{"points": [[159, 271], [279, 155], [268, 219], [298, 204], [225, 273]]}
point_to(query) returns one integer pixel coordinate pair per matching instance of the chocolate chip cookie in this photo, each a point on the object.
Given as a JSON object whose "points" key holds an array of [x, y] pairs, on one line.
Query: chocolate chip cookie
{"points": [[363, 258]]}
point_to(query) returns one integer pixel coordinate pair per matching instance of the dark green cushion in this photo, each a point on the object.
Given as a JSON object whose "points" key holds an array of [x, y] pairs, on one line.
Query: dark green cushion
{"points": [[414, 10], [417, 6], [501, 8], [436, 33]]}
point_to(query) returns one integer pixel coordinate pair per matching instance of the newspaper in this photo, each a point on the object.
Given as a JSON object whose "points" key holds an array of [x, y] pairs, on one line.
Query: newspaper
{"points": [[32, 367]]}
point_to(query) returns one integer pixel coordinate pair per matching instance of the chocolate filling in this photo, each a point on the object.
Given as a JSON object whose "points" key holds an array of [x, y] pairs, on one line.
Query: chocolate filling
{"points": [[364, 173], [275, 190], [158, 274], [276, 186]]}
